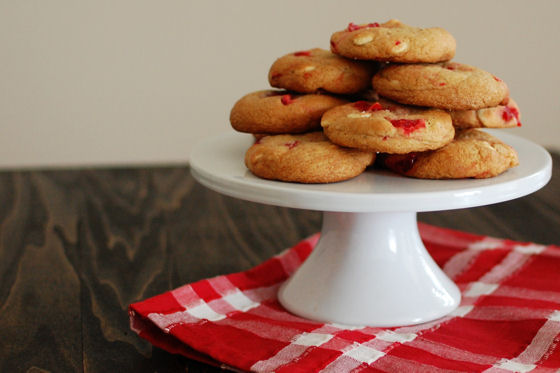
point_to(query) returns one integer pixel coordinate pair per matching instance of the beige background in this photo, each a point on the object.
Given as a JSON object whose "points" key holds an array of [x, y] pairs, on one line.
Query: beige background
{"points": [[119, 82]]}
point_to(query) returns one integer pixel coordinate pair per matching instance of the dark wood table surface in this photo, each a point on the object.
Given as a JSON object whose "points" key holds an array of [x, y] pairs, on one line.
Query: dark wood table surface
{"points": [[78, 246]]}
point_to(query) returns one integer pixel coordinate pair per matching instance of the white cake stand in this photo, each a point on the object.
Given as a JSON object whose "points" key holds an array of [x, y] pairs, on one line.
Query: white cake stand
{"points": [[370, 266]]}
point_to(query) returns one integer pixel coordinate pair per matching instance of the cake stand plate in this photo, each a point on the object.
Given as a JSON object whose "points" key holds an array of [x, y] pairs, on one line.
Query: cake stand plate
{"points": [[370, 266]]}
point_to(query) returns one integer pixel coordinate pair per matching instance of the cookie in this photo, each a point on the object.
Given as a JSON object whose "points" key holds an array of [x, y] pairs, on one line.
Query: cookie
{"points": [[387, 127], [501, 116], [306, 158], [273, 112], [472, 154], [317, 69], [448, 85], [394, 41]]}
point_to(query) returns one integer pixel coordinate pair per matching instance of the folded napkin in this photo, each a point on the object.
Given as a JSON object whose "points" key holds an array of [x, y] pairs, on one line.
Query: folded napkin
{"points": [[508, 320]]}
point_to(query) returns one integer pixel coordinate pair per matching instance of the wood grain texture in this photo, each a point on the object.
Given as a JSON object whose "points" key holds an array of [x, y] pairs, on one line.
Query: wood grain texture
{"points": [[78, 246]]}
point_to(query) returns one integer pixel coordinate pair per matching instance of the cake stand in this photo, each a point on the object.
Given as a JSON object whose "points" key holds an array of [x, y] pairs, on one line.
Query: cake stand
{"points": [[370, 266]]}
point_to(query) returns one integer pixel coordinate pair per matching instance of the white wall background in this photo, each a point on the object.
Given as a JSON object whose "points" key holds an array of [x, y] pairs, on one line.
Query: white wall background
{"points": [[140, 82]]}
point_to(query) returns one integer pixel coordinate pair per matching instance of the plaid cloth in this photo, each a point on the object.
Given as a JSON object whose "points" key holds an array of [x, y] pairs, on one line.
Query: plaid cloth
{"points": [[508, 320]]}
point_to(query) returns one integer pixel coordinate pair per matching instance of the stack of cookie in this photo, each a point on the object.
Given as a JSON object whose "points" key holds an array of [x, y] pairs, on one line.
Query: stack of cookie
{"points": [[384, 90]]}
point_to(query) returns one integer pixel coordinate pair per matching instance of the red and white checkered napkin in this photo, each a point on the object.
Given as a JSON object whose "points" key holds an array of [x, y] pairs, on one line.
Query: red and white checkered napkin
{"points": [[508, 320]]}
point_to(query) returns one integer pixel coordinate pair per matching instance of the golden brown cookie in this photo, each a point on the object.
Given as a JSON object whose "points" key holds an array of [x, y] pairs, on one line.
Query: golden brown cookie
{"points": [[473, 154], [387, 127], [395, 42], [318, 69], [448, 85], [501, 116], [273, 112], [306, 158]]}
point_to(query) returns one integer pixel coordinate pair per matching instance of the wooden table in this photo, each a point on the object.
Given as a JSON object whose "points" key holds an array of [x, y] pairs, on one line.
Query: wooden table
{"points": [[78, 246]]}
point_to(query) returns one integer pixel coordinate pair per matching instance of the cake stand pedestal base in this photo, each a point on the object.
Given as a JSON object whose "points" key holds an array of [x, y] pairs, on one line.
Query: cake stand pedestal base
{"points": [[370, 269]]}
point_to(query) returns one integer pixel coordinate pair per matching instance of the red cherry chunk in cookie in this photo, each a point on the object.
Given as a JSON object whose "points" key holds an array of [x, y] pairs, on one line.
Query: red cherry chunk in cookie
{"points": [[292, 144], [333, 46], [287, 99], [366, 106], [375, 106], [354, 27], [408, 125], [509, 113], [406, 163], [302, 53]]}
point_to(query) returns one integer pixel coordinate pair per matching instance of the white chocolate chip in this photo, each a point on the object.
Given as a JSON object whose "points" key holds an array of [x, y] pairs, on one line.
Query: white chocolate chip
{"points": [[487, 145], [362, 39], [401, 47], [309, 68], [358, 115], [395, 84], [490, 117]]}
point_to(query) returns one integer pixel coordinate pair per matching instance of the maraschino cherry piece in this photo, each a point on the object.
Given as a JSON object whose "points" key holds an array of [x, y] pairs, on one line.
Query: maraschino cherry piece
{"points": [[406, 163], [292, 144], [354, 27], [366, 106], [509, 113], [375, 107], [333, 46], [408, 125], [287, 99]]}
